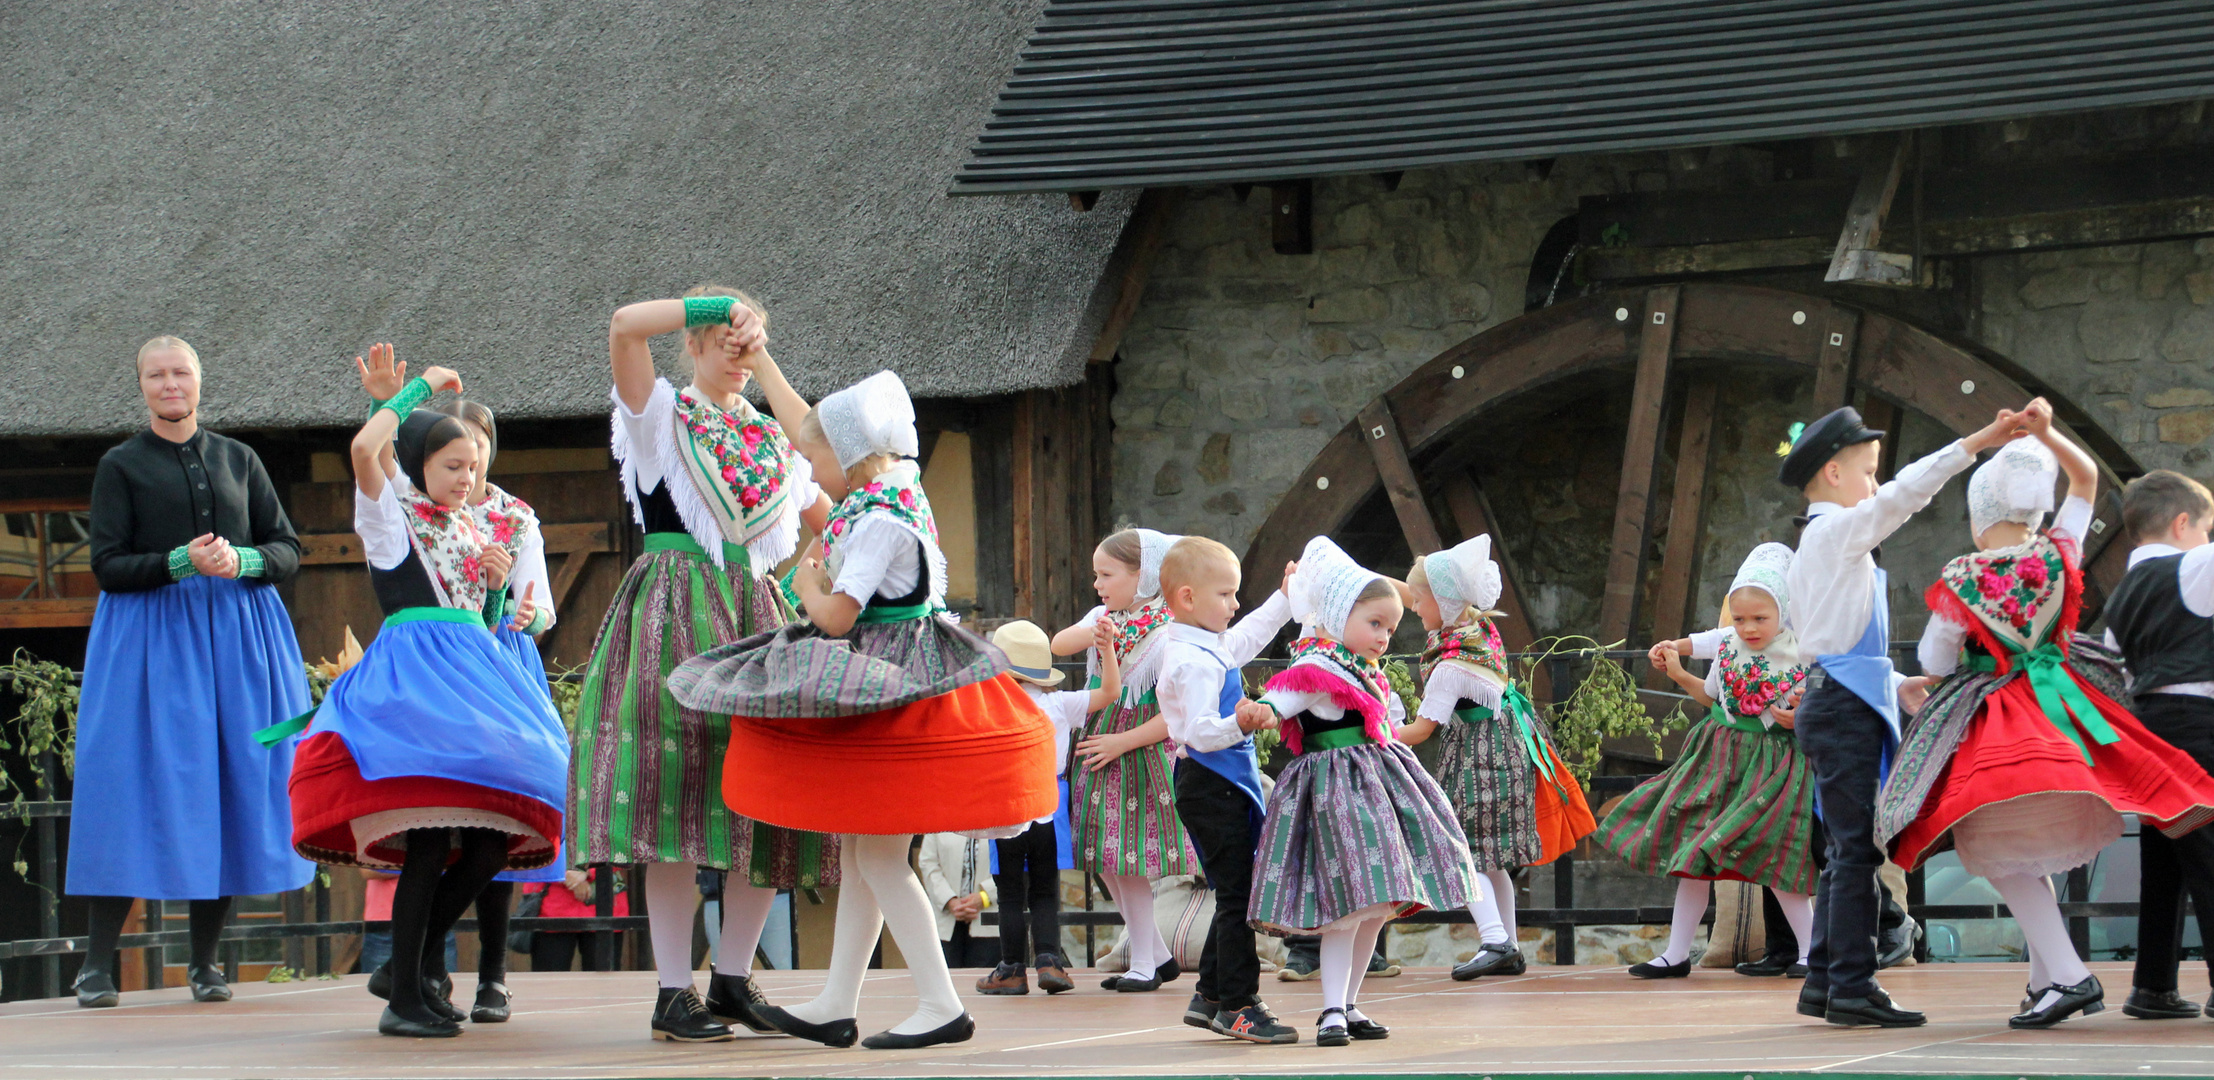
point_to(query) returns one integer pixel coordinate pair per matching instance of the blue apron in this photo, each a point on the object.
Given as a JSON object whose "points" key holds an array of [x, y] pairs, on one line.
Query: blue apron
{"points": [[1237, 764], [1867, 671]]}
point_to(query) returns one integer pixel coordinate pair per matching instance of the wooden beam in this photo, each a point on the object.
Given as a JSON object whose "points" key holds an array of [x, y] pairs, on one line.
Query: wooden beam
{"points": [[1141, 241], [322, 549], [1633, 263], [1022, 466], [1472, 517], [1881, 415], [1835, 348], [38, 614], [572, 565], [1381, 433], [1292, 217], [1640, 454], [1679, 569], [1864, 218]]}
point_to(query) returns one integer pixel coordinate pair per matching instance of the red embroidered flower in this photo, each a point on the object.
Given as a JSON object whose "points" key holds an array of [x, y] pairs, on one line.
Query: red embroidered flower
{"points": [[751, 433], [1990, 583], [2033, 573], [874, 487], [907, 497], [2011, 607], [472, 569], [749, 497], [730, 474], [503, 530], [838, 527], [426, 511]]}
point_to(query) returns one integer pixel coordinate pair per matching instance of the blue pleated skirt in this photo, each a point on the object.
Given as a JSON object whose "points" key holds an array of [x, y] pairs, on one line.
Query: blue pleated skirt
{"points": [[523, 648], [446, 700], [174, 798]]}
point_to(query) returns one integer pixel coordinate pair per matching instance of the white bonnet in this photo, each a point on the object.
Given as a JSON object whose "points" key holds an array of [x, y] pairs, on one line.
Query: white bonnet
{"points": [[1768, 568], [1326, 586], [1463, 575], [2015, 485], [873, 416], [1153, 546]]}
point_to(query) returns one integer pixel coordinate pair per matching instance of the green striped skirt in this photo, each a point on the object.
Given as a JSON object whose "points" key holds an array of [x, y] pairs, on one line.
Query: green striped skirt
{"points": [[1738, 805], [1123, 817], [1486, 772], [1352, 828], [646, 774]]}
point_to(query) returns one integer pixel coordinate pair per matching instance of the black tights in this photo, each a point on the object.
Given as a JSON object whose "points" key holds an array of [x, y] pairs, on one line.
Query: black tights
{"points": [[108, 913], [430, 899], [493, 905]]}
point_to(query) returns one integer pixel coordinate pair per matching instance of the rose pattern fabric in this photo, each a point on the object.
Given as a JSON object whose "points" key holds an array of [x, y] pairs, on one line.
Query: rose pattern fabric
{"points": [[752, 456], [1474, 643], [1751, 682], [2013, 592], [448, 543], [504, 519]]}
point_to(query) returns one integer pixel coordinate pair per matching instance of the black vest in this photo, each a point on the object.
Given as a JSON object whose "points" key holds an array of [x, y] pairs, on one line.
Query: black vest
{"points": [[404, 586], [2162, 640]]}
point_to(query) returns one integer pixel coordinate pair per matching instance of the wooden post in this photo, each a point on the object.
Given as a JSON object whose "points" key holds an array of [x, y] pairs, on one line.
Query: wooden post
{"points": [[1882, 415], [1833, 361], [1472, 517], [1640, 454], [1022, 467], [1680, 559], [1856, 257], [1381, 433]]}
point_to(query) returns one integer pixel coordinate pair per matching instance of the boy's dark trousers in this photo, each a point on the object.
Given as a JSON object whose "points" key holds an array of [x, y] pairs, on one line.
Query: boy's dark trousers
{"points": [[1843, 738], [1219, 819], [1777, 929], [2168, 867], [1029, 881]]}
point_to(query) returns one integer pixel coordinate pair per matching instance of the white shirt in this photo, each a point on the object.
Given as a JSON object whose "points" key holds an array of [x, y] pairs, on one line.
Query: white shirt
{"points": [[1289, 703], [2195, 579], [1944, 637], [1067, 710], [1452, 684], [642, 445], [1833, 577], [382, 525], [1190, 686], [530, 571], [879, 557]]}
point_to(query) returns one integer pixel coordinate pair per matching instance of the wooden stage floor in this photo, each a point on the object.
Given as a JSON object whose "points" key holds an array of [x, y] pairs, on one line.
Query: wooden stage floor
{"points": [[1553, 1020]]}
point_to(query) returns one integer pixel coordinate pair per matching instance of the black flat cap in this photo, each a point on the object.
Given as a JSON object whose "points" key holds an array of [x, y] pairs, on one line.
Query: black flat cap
{"points": [[1820, 442]]}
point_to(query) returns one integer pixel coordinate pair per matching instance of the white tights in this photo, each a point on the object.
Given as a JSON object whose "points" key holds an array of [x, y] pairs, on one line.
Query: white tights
{"points": [[672, 895], [878, 890], [1494, 910], [2052, 957], [1133, 896], [1344, 963], [1691, 906]]}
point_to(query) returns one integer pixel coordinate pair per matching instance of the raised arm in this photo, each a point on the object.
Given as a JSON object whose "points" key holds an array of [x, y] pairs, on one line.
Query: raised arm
{"points": [[784, 402], [1110, 669], [374, 440], [636, 324], [2082, 473]]}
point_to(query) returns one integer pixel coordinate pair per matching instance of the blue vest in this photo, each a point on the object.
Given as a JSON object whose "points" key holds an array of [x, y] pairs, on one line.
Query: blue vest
{"points": [[1237, 764], [1866, 671]]}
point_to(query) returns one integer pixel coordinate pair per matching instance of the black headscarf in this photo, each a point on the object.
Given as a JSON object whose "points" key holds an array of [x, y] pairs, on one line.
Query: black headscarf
{"points": [[422, 434]]}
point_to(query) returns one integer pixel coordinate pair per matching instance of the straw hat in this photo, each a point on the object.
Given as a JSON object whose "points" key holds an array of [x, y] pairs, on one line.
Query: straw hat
{"points": [[1029, 653]]}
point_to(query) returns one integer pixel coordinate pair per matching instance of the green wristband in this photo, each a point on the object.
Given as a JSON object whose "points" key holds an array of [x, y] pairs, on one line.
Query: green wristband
{"points": [[707, 310], [416, 392], [249, 562], [180, 563]]}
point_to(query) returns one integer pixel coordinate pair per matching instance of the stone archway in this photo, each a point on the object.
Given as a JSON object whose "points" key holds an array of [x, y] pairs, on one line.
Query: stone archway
{"points": [[1894, 364]]}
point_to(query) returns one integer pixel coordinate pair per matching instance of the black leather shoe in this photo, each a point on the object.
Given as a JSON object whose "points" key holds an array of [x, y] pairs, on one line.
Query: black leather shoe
{"points": [[1875, 1010], [1330, 1029], [734, 999], [2157, 1005], [1767, 967], [2085, 997], [1897, 943], [491, 1006], [380, 984], [837, 1033], [392, 1023], [680, 1016], [1200, 1013], [1795, 971], [958, 1029], [207, 983], [1496, 958], [1366, 1029], [438, 998], [1813, 1002], [94, 989], [1131, 984], [1657, 969]]}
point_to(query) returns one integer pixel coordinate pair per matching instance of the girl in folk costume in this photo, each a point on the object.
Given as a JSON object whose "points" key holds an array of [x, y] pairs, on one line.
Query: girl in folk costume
{"points": [[191, 652], [1121, 798], [2021, 757], [436, 754], [1518, 804], [720, 494], [879, 720], [1356, 833], [1738, 803]]}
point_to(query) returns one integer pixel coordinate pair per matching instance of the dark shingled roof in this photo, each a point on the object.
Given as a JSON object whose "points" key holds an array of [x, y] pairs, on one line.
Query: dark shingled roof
{"points": [[1119, 93], [483, 184]]}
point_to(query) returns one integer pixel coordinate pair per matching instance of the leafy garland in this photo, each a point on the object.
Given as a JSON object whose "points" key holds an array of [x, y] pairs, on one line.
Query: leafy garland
{"points": [[1603, 705]]}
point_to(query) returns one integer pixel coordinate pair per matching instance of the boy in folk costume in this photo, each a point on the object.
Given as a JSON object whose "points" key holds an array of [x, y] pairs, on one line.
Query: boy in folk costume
{"points": [[1848, 719], [1027, 868], [1738, 803], [1218, 776], [1356, 833], [2161, 618], [2029, 776], [1518, 803], [879, 720], [1122, 801]]}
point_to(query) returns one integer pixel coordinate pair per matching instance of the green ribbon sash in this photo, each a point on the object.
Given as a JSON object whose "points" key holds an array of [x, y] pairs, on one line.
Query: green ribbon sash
{"points": [[1729, 719], [2059, 696], [882, 613], [1516, 704], [1333, 739], [735, 559]]}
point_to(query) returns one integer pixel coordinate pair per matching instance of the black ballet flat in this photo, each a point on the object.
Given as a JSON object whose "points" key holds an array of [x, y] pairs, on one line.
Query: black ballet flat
{"points": [[2085, 997], [1656, 969], [1494, 958], [1168, 971], [1366, 1030], [208, 984], [380, 983], [94, 989], [392, 1023], [1131, 984], [838, 1034], [491, 1006], [1332, 1033], [958, 1029], [440, 1000]]}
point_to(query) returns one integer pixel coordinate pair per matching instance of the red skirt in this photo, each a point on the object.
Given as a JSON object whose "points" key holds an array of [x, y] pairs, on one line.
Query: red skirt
{"points": [[2011, 752], [980, 757], [1563, 817], [329, 795]]}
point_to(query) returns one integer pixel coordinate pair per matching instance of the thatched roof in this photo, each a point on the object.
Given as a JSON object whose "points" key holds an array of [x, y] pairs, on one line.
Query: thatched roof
{"points": [[484, 184]]}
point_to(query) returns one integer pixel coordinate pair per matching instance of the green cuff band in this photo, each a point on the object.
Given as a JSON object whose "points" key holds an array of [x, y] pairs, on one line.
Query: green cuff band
{"points": [[413, 394], [540, 619], [249, 562], [707, 310], [180, 563]]}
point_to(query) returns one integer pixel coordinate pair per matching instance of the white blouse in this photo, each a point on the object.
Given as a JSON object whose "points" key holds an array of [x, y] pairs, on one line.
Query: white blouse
{"points": [[644, 445], [1944, 637], [1289, 703], [1452, 684], [879, 556], [382, 525]]}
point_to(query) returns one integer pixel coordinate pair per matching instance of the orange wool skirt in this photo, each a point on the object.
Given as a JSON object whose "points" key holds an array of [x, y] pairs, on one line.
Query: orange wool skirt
{"points": [[980, 757], [1563, 817]]}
